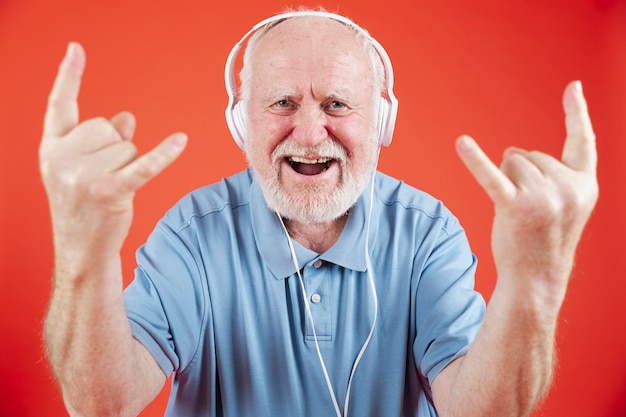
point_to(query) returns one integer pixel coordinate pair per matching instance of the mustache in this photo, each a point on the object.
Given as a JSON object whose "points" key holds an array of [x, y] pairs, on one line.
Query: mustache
{"points": [[327, 149]]}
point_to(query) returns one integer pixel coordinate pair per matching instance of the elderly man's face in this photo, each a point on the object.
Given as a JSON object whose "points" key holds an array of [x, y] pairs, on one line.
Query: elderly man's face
{"points": [[312, 138]]}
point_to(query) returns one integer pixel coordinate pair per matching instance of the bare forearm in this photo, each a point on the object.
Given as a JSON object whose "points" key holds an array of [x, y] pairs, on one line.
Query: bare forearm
{"points": [[508, 369], [91, 171], [91, 348]]}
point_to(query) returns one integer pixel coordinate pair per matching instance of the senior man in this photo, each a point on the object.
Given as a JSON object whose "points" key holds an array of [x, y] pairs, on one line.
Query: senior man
{"points": [[309, 284]]}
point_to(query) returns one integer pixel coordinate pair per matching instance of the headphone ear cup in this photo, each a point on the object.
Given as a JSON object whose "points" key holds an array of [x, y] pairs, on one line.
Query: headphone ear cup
{"points": [[239, 124], [383, 122]]}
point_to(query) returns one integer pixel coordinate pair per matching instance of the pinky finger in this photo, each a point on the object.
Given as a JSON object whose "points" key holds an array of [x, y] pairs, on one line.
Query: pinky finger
{"points": [[149, 165]]}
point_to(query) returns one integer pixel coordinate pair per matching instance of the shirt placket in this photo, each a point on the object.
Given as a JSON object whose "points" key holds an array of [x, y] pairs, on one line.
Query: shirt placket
{"points": [[315, 276]]}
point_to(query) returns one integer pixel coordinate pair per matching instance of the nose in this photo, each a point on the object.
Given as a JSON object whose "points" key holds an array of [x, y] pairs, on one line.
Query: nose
{"points": [[310, 126]]}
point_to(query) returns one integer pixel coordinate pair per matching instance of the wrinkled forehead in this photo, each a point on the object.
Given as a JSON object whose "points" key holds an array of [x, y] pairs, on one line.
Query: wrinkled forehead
{"points": [[309, 37]]}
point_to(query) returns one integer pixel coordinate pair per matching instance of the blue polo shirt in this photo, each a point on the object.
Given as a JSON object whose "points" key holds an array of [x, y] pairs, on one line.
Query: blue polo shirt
{"points": [[217, 301]]}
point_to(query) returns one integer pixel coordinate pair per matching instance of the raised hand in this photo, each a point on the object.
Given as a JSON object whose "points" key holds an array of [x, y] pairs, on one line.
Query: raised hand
{"points": [[541, 204], [541, 207], [91, 169]]}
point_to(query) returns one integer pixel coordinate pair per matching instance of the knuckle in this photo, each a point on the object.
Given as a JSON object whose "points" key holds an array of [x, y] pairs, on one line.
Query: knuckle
{"points": [[148, 167], [130, 149], [98, 123], [57, 100], [153, 162], [124, 152], [539, 207], [99, 190], [100, 127], [108, 189], [54, 101]]}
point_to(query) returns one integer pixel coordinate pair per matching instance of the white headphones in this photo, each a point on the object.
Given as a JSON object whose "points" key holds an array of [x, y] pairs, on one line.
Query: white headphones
{"points": [[235, 114]]}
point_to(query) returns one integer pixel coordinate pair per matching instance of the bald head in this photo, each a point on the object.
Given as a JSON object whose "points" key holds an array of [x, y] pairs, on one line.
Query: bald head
{"points": [[316, 41]]}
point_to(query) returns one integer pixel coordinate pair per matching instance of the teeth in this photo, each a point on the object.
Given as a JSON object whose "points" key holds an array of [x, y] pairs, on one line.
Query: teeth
{"points": [[309, 161]]}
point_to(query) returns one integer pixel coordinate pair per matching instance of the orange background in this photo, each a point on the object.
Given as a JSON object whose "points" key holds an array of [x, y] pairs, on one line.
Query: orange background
{"points": [[494, 70]]}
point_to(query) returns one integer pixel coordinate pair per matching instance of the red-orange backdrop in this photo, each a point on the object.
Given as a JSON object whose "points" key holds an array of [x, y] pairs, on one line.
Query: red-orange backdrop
{"points": [[495, 70]]}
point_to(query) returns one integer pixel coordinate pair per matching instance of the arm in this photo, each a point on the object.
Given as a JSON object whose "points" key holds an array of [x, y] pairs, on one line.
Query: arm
{"points": [[541, 206], [91, 172]]}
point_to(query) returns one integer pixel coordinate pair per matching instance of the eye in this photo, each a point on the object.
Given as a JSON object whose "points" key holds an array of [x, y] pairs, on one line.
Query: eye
{"points": [[283, 103], [336, 105], [284, 106]]}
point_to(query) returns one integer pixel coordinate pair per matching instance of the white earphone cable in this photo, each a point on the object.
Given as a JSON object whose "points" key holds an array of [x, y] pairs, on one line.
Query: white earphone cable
{"points": [[372, 283], [310, 316], [370, 276]]}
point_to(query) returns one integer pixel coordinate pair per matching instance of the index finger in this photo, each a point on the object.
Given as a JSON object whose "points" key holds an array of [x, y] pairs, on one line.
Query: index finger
{"points": [[62, 111], [579, 151], [498, 186]]}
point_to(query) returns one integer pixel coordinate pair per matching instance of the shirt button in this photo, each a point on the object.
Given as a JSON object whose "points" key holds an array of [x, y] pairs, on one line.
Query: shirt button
{"points": [[316, 298], [317, 263]]}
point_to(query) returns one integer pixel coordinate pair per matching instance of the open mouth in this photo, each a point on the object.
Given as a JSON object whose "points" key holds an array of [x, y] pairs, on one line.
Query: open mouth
{"points": [[305, 166]]}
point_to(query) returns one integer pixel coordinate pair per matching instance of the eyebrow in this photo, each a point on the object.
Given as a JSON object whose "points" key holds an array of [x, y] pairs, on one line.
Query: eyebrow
{"points": [[274, 95], [341, 95]]}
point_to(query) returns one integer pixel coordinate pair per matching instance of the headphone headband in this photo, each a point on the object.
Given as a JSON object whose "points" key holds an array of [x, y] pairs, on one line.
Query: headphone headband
{"points": [[234, 113]]}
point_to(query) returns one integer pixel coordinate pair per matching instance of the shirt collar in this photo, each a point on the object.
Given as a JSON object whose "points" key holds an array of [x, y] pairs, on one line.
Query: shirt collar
{"points": [[271, 238]]}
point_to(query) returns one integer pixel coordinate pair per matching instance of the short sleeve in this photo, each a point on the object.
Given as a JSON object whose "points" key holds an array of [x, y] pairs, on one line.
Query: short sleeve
{"points": [[166, 301], [449, 311]]}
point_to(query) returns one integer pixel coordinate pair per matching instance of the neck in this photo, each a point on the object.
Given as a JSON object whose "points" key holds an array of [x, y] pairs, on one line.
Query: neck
{"points": [[318, 237]]}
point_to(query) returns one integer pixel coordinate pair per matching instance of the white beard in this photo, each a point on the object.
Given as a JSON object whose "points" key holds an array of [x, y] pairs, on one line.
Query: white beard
{"points": [[317, 206]]}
